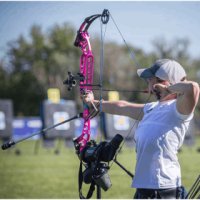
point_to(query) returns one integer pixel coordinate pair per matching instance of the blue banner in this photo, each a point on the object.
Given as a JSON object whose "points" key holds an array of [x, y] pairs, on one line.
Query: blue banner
{"points": [[26, 126]]}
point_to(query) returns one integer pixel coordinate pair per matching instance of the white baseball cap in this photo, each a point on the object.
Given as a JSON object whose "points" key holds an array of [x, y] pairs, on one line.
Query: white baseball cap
{"points": [[165, 69]]}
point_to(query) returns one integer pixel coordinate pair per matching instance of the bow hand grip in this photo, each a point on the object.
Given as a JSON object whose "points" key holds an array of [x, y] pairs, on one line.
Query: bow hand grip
{"points": [[7, 145]]}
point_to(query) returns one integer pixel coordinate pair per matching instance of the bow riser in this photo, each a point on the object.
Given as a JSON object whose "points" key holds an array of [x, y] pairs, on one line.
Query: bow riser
{"points": [[86, 64], [85, 135], [87, 70]]}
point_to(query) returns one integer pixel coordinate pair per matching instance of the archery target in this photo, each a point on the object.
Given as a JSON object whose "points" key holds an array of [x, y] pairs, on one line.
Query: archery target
{"points": [[6, 118], [54, 113], [116, 124]]}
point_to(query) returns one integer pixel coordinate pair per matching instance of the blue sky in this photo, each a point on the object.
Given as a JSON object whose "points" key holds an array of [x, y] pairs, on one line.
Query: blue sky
{"points": [[140, 22]]}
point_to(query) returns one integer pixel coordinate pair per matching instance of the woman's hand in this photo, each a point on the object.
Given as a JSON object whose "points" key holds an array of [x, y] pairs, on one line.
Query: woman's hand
{"points": [[161, 91], [87, 97]]}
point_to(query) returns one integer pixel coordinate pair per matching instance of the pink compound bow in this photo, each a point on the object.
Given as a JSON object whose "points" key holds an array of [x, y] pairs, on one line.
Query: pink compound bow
{"points": [[86, 73]]}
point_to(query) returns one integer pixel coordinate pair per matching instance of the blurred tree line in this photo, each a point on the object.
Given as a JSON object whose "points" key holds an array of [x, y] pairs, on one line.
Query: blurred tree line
{"points": [[42, 61]]}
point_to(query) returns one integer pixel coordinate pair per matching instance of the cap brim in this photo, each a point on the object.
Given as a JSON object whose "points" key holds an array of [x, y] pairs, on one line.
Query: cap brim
{"points": [[145, 73]]}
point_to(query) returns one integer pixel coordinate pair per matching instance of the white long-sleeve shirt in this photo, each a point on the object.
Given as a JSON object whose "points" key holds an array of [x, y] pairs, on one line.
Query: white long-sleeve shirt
{"points": [[158, 137]]}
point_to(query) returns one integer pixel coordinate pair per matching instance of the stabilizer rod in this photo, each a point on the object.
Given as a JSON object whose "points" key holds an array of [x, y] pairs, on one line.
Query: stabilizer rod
{"points": [[121, 166], [11, 143]]}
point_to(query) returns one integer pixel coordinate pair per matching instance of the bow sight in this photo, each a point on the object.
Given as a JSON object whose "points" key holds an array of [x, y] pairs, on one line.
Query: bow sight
{"points": [[72, 80]]}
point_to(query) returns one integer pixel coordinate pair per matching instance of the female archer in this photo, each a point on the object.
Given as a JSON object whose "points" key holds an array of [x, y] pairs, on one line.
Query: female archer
{"points": [[161, 129]]}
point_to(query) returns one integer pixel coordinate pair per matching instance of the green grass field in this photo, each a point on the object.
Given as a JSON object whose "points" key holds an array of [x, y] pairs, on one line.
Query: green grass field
{"points": [[47, 175]]}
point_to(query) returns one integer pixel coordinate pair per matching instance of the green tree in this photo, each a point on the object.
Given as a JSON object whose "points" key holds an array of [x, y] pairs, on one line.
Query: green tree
{"points": [[38, 63]]}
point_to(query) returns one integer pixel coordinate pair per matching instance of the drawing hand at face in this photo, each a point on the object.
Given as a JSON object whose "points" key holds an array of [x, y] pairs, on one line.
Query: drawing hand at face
{"points": [[161, 90]]}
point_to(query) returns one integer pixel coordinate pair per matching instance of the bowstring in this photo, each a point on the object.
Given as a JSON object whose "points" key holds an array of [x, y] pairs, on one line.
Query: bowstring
{"points": [[101, 69]]}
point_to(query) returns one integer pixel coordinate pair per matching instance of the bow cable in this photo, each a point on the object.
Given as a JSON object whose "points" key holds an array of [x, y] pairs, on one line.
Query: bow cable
{"points": [[131, 51]]}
